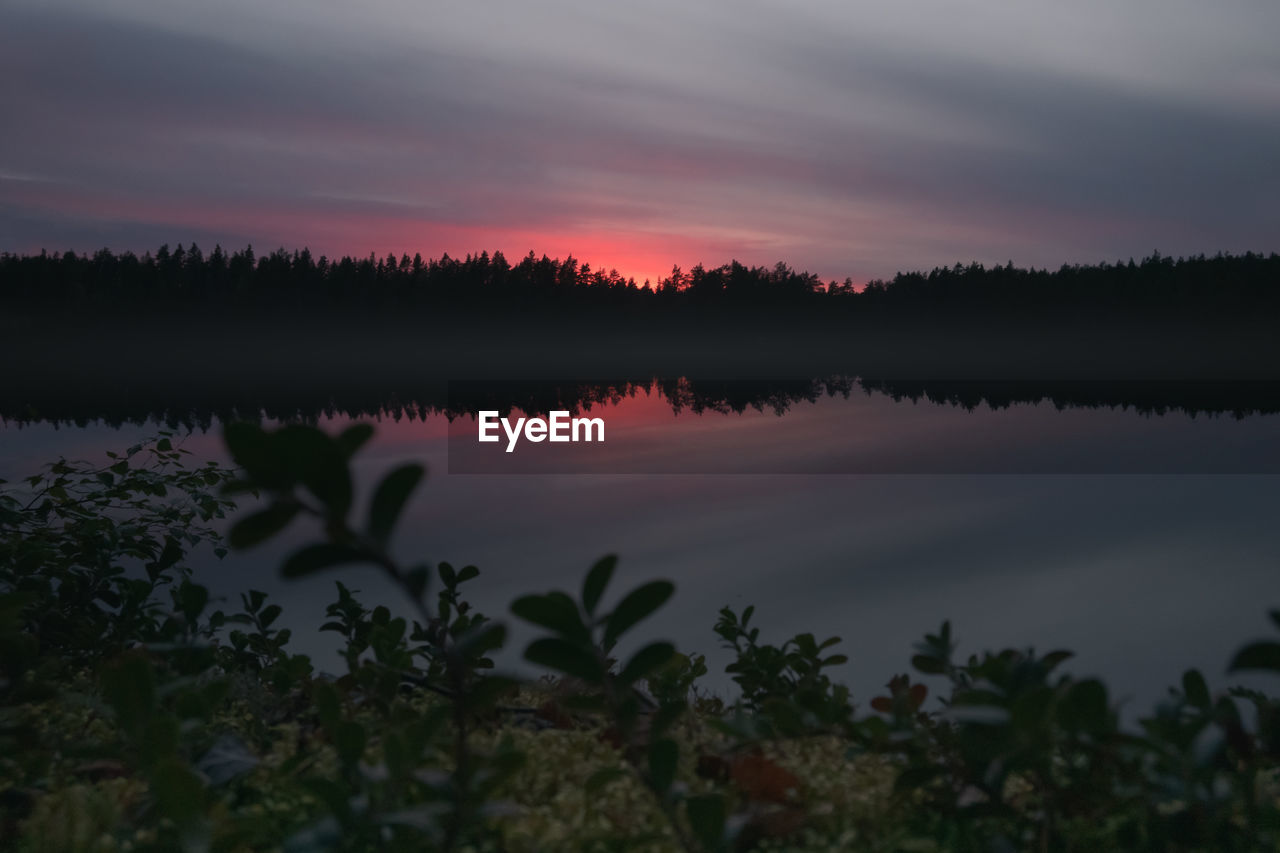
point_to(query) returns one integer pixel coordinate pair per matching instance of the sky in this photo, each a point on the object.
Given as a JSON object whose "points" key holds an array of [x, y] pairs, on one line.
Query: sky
{"points": [[844, 138]]}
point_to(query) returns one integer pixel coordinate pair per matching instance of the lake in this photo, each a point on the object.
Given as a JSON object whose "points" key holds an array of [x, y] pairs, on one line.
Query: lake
{"points": [[1133, 523]]}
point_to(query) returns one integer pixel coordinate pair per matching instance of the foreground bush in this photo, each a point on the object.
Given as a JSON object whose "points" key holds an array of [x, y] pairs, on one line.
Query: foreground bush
{"points": [[134, 717]]}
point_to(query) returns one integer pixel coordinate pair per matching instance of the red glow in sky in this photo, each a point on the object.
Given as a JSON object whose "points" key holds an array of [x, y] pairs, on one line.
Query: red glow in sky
{"points": [[844, 142]]}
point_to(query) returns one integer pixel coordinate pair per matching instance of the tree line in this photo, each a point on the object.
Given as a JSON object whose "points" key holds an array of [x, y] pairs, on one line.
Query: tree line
{"points": [[202, 405], [186, 277]]}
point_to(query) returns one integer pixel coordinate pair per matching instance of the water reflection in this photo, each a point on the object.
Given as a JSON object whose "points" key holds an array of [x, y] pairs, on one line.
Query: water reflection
{"points": [[199, 404], [842, 425], [1142, 575]]}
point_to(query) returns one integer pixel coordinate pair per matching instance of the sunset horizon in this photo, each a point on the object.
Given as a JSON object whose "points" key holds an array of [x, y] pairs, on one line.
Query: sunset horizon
{"points": [[794, 135]]}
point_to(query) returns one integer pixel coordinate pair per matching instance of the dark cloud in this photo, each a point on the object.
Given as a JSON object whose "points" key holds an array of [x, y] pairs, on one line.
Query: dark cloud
{"points": [[816, 139]]}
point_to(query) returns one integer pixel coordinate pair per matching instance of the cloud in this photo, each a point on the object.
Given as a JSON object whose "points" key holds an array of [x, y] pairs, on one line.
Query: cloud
{"points": [[844, 139]]}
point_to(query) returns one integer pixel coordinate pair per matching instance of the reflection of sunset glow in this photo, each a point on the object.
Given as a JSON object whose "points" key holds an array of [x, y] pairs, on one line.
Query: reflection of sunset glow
{"points": [[827, 431]]}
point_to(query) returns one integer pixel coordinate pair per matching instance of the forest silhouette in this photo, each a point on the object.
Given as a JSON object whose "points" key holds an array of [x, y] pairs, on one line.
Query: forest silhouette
{"points": [[184, 278], [184, 337], [201, 408]]}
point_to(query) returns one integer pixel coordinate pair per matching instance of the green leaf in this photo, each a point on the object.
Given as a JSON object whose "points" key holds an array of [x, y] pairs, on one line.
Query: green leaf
{"points": [[554, 611], [467, 573], [1052, 659], [323, 555], [1196, 690], [645, 661], [1265, 655], [707, 817], [1084, 708], [566, 657], [261, 525], [448, 576], [178, 791], [192, 598], [129, 685], [315, 459], [635, 607], [251, 449], [327, 702], [269, 614], [349, 738], [929, 664], [353, 438], [664, 755], [389, 500], [417, 579], [597, 579]]}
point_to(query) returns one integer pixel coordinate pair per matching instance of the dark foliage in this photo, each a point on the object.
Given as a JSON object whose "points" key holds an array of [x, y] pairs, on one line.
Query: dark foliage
{"points": [[132, 717]]}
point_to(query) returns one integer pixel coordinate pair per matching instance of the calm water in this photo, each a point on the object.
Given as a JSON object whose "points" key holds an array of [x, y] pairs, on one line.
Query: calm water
{"points": [[1149, 561]]}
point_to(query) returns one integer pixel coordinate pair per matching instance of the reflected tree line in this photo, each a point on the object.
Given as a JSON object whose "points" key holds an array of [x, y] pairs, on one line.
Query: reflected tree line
{"points": [[186, 277], [201, 408]]}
